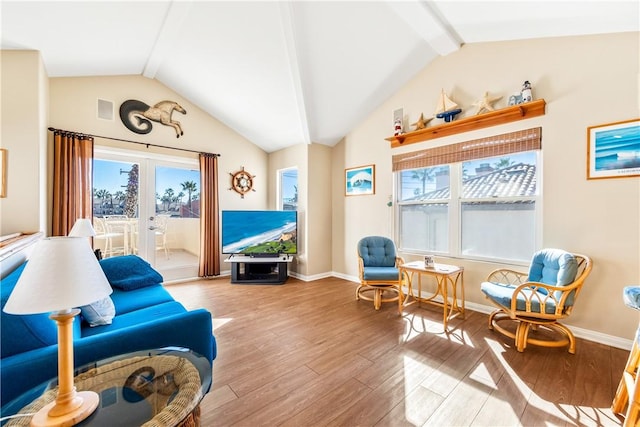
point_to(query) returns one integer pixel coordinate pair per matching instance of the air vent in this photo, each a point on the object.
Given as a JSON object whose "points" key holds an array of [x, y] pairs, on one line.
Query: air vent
{"points": [[105, 109]]}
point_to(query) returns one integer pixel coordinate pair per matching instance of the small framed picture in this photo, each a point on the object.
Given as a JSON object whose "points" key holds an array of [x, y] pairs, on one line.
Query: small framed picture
{"points": [[613, 150], [360, 181]]}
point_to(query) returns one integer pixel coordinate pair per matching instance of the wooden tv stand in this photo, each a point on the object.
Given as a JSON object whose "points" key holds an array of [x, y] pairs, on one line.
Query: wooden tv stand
{"points": [[267, 270]]}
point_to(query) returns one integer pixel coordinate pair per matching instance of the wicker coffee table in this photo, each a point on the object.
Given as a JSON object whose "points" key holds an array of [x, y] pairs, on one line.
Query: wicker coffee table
{"points": [[151, 388]]}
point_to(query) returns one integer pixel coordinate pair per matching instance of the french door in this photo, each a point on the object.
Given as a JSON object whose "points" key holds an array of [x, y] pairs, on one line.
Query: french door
{"points": [[148, 205]]}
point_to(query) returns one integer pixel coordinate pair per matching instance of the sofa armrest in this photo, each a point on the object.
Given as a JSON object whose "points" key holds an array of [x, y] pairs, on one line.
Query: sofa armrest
{"points": [[192, 329]]}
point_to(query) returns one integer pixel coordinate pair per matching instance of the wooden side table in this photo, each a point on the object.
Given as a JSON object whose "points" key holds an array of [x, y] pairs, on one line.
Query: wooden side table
{"points": [[152, 389], [447, 276]]}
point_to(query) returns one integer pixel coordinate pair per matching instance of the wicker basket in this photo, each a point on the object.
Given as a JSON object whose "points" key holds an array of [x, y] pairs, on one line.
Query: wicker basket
{"points": [[171, 387]]}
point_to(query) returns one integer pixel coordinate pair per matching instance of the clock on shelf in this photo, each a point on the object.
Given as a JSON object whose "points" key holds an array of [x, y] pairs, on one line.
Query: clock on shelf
{"points": [[241, 182]]}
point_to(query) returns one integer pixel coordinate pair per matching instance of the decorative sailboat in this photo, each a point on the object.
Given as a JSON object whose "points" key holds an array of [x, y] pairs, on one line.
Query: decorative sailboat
{"points": [[446, 109]]}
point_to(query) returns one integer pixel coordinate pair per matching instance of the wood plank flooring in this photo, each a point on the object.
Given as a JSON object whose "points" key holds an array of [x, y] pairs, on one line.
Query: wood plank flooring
{"points": [[309, 354]]}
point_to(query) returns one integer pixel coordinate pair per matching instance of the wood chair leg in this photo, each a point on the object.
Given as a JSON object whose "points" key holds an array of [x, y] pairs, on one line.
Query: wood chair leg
{"points": [[522, 335]]}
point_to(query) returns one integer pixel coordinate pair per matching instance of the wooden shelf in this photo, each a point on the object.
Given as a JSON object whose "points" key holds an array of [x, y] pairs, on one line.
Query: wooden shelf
{"points": [[492, 118]]}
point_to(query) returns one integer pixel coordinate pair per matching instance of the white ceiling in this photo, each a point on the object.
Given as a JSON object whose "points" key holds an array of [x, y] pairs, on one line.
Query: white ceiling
{"points": [[285, 73]]}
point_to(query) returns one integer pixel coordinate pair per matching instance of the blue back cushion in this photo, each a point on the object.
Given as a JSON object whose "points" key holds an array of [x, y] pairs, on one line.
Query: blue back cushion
{"points": [[20, 333], [553, 267], [377, 251], [129, 272]]}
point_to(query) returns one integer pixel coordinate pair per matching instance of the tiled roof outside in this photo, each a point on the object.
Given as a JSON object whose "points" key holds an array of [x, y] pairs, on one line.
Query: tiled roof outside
{"points": [[512, 181]]}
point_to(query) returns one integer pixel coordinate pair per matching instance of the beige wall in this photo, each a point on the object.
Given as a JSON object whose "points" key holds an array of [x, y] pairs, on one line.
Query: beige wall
{"points": [[318, 224], [74, 107], [23, 121], [314, 205], [585, 81], [295, 156]]}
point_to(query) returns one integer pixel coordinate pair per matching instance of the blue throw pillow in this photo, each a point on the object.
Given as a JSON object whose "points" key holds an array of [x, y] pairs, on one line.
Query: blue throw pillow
{"points": [[130, 272], [20, 333]]}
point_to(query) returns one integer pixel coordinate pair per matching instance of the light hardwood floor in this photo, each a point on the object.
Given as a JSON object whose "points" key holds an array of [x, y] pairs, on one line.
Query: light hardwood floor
{"points": [[309, 354]]}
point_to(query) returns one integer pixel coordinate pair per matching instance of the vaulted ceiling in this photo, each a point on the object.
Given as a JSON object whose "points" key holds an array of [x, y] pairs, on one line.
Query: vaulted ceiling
{"points": [[284, 73]]}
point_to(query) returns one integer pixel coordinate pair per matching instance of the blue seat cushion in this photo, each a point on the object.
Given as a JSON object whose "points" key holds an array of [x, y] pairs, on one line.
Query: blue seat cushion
{"points": [[128, 301], [20, 333], [144, 315], [129, 272], [503, 293], [381, 273], [377, 251]]}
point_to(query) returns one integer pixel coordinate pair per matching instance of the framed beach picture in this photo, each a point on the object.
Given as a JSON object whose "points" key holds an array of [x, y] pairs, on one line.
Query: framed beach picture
{"points": [[360, 180], [613, 150]]}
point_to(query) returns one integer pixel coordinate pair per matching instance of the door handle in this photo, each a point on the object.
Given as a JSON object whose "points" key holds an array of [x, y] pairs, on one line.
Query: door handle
{"points": [[153, 227]]}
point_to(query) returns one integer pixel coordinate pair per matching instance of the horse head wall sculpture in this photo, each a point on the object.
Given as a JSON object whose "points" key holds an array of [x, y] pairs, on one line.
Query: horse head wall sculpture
{"points": [[137, 116]]}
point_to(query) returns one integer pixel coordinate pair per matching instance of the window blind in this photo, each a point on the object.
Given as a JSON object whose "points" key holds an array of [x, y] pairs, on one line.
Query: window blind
{"points": [[497, 145]]}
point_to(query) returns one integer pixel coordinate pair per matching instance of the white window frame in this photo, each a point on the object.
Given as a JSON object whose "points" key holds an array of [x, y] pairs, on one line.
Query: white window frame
{"points": [[455, 220], [279, 195]]}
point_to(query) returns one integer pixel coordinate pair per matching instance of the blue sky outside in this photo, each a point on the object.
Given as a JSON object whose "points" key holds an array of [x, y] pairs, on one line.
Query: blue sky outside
{"points": [[107, 176]]}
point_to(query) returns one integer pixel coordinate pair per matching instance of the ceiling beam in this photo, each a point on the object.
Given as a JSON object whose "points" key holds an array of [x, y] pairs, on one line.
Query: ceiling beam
{"points": [[422, 16], [167, 35], [286, 12]]}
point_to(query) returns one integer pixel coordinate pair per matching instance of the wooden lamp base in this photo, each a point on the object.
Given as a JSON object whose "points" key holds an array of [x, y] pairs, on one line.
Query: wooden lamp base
{"points": [[88, 401], [70, 406]]}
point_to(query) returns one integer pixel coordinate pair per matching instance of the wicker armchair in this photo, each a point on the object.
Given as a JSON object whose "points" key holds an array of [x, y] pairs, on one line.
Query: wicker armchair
{"points": [[379, 273], [539, 299]]}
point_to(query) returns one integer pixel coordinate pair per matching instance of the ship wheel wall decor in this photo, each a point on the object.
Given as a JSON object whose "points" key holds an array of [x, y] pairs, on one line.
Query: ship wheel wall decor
{"points": [[241, 182]]}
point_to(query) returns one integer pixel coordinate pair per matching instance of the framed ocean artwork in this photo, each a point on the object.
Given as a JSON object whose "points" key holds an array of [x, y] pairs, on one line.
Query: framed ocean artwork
{"points": [[613, 150], [360, 180]]}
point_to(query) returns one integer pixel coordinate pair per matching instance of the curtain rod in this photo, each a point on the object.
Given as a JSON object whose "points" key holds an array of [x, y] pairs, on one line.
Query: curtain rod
{"points": [[136, 142]]}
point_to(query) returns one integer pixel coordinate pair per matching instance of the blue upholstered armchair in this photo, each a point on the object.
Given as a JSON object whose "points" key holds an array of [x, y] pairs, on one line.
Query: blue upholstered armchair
{"points": [[539, 299], [378, 270]]}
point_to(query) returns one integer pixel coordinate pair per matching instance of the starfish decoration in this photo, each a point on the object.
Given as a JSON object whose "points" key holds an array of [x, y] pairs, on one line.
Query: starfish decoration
{"points": [[484, 104], [421, 123]]}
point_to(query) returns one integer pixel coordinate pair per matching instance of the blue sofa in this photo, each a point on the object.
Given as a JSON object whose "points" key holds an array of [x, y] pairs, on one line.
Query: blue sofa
{"points": [[146, 317]]}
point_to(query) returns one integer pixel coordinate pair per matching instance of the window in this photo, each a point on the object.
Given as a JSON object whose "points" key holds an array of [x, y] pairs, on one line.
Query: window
{"points": [[424, 209], [498, 207], [288, 189], [476, 206]]}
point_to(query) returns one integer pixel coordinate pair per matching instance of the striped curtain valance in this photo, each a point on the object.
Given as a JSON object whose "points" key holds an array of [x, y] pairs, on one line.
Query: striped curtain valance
{"points": [[497, 145]]}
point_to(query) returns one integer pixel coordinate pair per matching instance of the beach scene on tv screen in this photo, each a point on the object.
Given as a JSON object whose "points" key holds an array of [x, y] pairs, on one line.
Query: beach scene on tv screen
{"points": [[259, 232]]}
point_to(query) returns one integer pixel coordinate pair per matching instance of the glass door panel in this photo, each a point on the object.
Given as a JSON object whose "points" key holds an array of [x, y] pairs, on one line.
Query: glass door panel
{"points": [[115, 207], [148, 207], [176, 224]]}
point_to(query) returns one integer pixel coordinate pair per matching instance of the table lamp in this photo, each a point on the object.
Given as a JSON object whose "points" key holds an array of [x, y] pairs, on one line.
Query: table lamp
{"points": [[82, 228], [62, 273]]}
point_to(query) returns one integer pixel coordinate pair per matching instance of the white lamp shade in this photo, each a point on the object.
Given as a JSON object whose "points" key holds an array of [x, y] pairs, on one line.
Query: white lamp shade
{"points": [[62, 273], [82, 228]]}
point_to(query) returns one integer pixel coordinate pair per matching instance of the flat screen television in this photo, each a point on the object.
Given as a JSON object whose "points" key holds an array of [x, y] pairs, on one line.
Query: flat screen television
{"points": [[259, 233]]}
